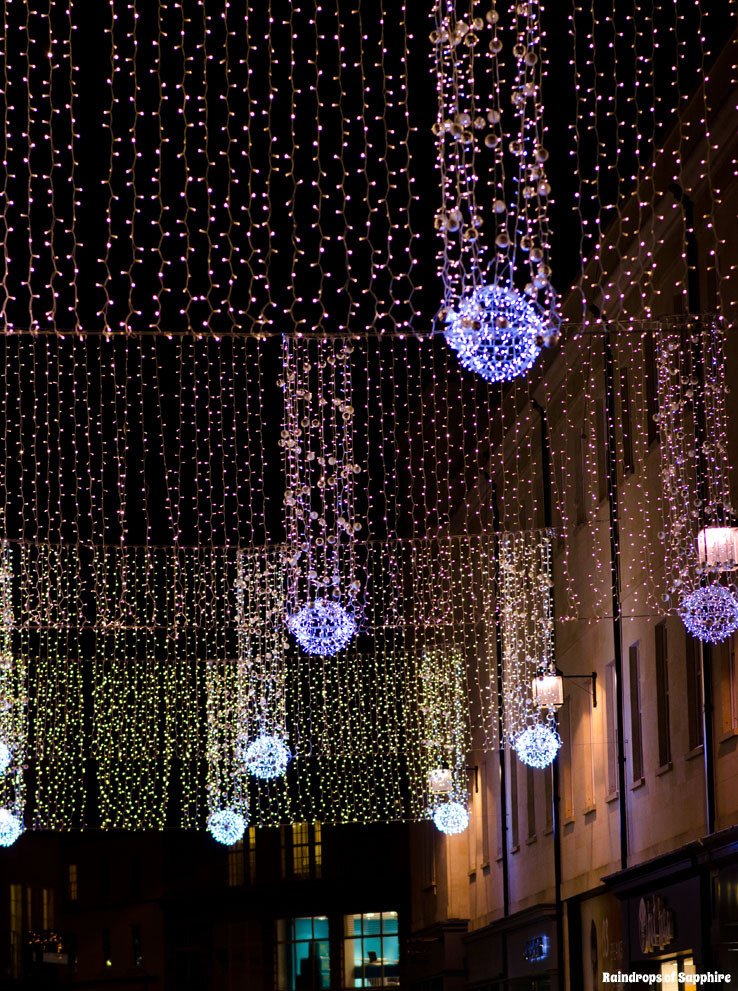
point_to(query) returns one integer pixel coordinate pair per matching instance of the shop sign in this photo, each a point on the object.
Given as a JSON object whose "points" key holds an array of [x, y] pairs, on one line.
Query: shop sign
{"points": [[535, 949], [655, 924]]}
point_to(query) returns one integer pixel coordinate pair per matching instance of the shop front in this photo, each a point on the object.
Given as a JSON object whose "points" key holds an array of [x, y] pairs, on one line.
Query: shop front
{"points": [[514, 954]]}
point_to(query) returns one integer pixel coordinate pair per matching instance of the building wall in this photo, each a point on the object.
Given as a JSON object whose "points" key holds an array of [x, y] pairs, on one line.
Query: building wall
{"points": [[645, 276]]}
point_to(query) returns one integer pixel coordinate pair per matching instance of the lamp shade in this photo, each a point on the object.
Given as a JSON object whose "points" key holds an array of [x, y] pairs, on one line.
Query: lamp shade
{"points": [[718, 547], [440, 780], [548, 691]]}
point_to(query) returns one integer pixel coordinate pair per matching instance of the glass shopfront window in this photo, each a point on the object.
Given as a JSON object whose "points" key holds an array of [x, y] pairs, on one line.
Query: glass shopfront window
{"points": [[371, 950], [303, 957]]}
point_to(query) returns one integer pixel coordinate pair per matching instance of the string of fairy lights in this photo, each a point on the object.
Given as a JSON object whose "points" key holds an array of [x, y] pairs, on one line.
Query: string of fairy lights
{"points": [[265, 520]]}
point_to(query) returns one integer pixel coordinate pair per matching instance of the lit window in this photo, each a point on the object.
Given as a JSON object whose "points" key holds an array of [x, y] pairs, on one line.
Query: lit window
{"points": [[72, 882], [303, 955], [235, 865], [47, 908], [371, 950], [302, 850]]}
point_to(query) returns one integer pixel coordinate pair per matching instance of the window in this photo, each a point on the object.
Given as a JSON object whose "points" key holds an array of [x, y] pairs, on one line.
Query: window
{"points": [[530, 787], [589, 764], [371, 952], [302, 850], [72, 882], [626, 422], [16, 929], [29, 908], [636, 745], [729, 682], [693, 655], [47, 908], [136, 946], [513, 765], [548, 798], [303, 957], [611, 701], [428, 853], [235, 865], [567, 782], [483, 784], [662, 695], [242, 859], [106, 951]]}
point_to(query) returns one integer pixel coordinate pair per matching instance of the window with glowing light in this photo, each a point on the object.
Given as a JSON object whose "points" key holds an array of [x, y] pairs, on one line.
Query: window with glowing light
{"points": [[303, 954], [371, 951], [302, 850], [693, 662]]}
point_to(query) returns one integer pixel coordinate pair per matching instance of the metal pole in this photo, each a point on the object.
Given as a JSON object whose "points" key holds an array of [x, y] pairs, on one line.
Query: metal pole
{"points": [[617, 616], [503, 770], [556, 814]]}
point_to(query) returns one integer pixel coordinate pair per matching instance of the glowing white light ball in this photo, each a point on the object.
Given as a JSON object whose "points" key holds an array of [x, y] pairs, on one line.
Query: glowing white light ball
{"points": [[265, 757], [451, 817], [710, 612], [537, 745], [5, 757], [10, 827], [322, 627], [227, 826], [496, 332]]}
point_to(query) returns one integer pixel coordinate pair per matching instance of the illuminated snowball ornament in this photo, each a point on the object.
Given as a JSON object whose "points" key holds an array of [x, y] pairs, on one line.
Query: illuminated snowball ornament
{"points": [[710, 612], [451, 817], [227, 826], [5, 757], [10, 827], [497, 332], [537, 745], [265, 757], [322, 627]]}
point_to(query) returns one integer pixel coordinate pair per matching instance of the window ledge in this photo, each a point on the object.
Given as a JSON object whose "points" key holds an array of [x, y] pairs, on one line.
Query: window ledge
{"points": [[548, 831], [531, 839], [588, 809], [473, 874], [568, 819], [665, 768], [732, 732], [485, 865], [515, 849], [639, 783], [430, 888], [698, 751], [611, 797]]}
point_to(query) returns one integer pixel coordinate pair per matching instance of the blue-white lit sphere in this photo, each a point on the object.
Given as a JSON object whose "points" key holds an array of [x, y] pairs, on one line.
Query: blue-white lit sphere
{"points": [[265, 757], [5, 756], [497, 332], [322, 627], [227, 826], [537, 745], [10, 827], [451, 817], [710, 612]]}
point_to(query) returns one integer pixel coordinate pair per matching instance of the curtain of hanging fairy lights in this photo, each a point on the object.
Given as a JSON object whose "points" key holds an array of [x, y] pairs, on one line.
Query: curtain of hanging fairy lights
{"points": [[489, 131], [527, 629], [13, 715], [323, 609], [699, 519]]}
